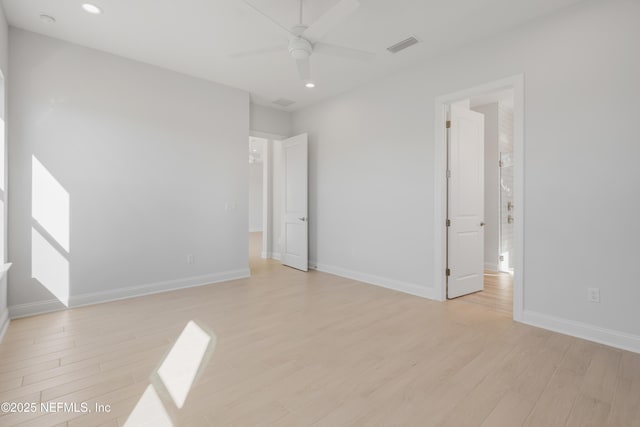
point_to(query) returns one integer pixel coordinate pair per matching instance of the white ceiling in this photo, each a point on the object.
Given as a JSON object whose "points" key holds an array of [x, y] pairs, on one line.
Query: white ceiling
{"points": [[196, 37]]}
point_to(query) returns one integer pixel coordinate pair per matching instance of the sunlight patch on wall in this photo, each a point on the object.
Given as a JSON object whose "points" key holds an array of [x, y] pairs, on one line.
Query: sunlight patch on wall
{"points": [[50, 204], [49, 267]]}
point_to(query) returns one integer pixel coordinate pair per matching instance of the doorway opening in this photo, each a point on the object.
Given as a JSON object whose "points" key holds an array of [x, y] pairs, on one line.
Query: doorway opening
{"points": [[257, 179], [479, 188], [278, 195], [265, 198]]}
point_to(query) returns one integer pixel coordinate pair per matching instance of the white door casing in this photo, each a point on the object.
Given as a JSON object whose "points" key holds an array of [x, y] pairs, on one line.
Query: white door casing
{"points": [[465, 233], [295, 230]]}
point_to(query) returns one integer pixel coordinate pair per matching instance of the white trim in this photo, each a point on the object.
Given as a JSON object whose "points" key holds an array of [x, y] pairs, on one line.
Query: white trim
{"points": [[266, 135], [518, 197], [4, 323], [396, 285], [30, 309], [4, 317], [255, 230], [585, 331], [440, 189], [35, 308], [270, 255], [267, 196], [440, 201]]}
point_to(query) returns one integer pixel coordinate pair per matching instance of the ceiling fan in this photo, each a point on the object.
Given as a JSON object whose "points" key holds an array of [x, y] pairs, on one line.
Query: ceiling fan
{"points": [[305, 40]]}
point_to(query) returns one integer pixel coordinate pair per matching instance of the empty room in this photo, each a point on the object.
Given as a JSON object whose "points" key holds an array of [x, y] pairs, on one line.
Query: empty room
{"points": [[319, 213]]}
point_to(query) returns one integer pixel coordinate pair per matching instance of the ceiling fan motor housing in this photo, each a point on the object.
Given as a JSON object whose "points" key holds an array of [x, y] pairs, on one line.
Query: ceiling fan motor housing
{"points": [[300, 48]]}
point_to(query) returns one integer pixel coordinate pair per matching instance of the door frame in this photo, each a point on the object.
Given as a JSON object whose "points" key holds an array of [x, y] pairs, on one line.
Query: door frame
{"points": [[440, 182], [267, 191]]}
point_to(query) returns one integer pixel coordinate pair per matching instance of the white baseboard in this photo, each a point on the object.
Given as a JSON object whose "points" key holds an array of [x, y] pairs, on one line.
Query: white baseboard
{"points": [[396, 285], [40, 307], [271, 255], [491, 266], [4, 322], [34, 308], [585, 331]]}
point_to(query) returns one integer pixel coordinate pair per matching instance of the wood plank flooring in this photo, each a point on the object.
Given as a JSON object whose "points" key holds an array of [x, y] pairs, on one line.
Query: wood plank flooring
{"points": [[497, 294], [312, 349]]}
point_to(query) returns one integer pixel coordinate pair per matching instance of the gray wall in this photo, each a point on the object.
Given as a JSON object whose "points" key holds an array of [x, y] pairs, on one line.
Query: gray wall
{"points": [[372, 167], [154, 166], [270, 120]]}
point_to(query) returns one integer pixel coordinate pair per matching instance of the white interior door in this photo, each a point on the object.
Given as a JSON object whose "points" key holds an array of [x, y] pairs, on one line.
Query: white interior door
{"points": [[295, 231], [465, 231]]}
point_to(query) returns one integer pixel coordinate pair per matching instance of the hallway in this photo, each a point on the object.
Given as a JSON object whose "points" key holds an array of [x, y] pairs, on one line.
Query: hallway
{"points": [[497, 295]]}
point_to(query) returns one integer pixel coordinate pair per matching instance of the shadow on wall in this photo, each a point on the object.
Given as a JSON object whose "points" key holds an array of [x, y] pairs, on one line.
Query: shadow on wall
{"points": [[50, 232]]}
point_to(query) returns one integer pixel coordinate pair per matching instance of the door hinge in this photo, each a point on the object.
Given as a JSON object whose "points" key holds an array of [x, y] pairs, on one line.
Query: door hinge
{"points": [[448, 223], [448, 173], [448, 272], [448, 124], [500, 163]]}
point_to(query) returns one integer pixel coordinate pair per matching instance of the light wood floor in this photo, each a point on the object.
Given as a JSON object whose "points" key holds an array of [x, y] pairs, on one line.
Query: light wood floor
{"points": [[302, 349], [497, 294]]}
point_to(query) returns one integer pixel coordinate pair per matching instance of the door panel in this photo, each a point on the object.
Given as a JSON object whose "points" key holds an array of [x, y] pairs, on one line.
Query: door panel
{"points": [[465, 234], [295, 251]]}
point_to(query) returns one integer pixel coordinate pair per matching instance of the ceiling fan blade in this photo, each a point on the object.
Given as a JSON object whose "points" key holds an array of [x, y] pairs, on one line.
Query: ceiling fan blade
{"points": [[304, 69], [326, 22], [257, 52], [343, 52], [269, 19]]}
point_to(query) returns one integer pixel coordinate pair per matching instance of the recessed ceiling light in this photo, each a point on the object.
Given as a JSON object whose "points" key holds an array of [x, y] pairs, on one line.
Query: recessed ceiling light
{"points": [[92, 8], [310, 85], [48, 19]]}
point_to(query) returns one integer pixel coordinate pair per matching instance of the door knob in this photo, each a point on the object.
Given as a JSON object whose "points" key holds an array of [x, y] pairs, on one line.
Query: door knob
{"points": [[482, 224], [303, 219]]}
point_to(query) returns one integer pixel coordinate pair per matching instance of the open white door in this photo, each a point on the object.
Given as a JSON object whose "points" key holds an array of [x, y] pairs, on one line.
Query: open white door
{"points": [[465, 231], [295, 232]]}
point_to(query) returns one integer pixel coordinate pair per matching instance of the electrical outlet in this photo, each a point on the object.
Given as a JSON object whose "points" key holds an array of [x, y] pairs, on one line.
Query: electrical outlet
{"points": [[593, 295], [189, 259]]}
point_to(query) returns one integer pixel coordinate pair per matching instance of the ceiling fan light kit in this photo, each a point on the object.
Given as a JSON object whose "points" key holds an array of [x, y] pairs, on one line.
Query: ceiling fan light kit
{"points": [[300, 48], [91, 8], [305, 40]]}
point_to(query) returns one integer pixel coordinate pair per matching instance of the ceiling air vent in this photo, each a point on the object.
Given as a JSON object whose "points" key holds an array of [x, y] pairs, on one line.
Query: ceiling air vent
{"points": [[284, 102], [403, 45]]}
